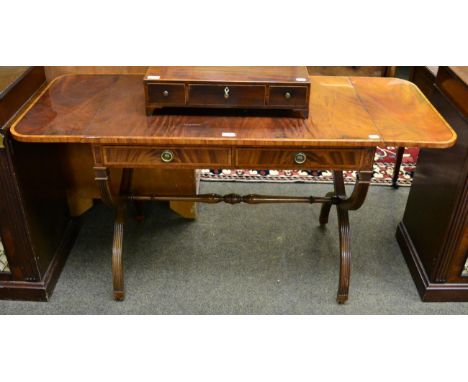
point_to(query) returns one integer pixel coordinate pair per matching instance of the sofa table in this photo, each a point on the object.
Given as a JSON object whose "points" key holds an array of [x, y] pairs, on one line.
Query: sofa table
{"points": [[349, 117]]}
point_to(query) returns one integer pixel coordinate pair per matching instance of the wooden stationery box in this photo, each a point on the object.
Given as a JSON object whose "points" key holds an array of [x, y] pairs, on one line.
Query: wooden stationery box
{"points": [[229, 87]]}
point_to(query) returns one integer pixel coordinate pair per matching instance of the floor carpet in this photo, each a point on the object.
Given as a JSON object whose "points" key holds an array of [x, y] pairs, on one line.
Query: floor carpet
{"points": [[263, 259]]}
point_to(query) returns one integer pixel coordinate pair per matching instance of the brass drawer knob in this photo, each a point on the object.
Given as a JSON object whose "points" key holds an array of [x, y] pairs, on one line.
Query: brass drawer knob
{"points": [[167, 156], [226, 92], [287, 95], [165, 93], [300, 158]]}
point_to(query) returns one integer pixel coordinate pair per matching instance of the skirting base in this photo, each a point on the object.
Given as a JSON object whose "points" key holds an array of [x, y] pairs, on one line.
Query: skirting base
{"points": [[428, 291], [42, 290]]}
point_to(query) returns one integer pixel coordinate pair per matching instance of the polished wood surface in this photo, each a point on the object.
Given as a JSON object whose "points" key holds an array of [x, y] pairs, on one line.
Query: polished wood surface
{"points": [[361, 71], [17, 85], [52, 72], [349, 118], [453, 82], [78, 160], [35, 226], [214, 95], [144, 156], [350, 159], [344, 112], [219, 157], [434, 230], [229, 74], [228, 87], [9, 76]]}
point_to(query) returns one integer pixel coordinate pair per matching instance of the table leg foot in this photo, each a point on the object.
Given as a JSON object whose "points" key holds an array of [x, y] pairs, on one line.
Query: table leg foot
{"points": [[117, 264], [119, 295]]}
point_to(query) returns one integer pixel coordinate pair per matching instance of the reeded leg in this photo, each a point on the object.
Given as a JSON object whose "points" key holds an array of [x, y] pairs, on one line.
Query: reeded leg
{"points": [[120, 215], [345, 256], [345, 204], [117, 266], [396, 169]]}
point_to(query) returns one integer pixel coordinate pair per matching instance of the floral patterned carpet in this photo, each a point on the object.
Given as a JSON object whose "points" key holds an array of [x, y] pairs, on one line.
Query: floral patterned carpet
{"points": [[3, 260], [383, 171]]}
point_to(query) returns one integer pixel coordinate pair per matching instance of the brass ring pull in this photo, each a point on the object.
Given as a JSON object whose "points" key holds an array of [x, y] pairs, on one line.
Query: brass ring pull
{"points": [[300, 158], [287, 95], [226, 92], [167, 156], [165, 93]]}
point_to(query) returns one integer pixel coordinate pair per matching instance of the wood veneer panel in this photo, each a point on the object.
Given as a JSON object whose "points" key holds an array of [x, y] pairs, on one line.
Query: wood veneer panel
{"points": [[402, 114], [151, 157], [53, 72], [344, 112], [319, 158]]}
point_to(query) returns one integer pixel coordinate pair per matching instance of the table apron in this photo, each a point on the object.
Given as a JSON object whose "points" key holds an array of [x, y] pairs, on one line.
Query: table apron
{"points": [[190, 157]]}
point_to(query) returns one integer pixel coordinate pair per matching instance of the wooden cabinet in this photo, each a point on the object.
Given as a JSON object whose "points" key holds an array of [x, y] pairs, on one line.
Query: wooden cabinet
{"points": [[35, 227], [230, 87], [434, 232]]}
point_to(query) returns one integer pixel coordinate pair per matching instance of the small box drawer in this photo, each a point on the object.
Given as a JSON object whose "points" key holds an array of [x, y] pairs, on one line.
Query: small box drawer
{"points": [[166, 94], [226, 95], [290, 96], [141, 156], [346, 159]]}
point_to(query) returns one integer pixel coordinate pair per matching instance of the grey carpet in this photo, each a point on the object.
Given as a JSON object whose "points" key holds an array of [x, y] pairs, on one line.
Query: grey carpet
{"points": [[264, 259]]}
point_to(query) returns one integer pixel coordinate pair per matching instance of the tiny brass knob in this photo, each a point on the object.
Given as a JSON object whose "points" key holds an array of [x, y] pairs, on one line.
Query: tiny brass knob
{"points": [[287, 95], [300, 158], [165, 93], [167, 156], [226, 92]]}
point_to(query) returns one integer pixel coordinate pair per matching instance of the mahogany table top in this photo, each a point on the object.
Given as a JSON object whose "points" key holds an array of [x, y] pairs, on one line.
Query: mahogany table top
{"points": [[344, 112]]}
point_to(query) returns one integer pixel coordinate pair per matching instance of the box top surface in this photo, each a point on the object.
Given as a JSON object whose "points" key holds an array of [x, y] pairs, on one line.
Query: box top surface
{"points": [[233, 74]]}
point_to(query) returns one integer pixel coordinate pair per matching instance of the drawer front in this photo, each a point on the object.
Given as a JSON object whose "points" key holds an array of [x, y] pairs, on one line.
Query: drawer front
{"points": [[346, 159], [166, 94], [140, 156], [290, 96], [227, 95]]}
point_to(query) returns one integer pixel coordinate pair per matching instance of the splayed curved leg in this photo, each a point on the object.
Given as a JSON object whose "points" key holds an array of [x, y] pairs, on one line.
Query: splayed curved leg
{"points": [[345, 256], [345, 204], [117, 264]]}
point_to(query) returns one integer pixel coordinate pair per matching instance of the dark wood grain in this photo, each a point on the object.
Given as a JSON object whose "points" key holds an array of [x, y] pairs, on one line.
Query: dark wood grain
{"points": [[344, 112], [433, 234], [298, 96], [228, 74], [453, 82], [351, 159], [35, 226], [141, 156], [226, 87], [214, 95]]}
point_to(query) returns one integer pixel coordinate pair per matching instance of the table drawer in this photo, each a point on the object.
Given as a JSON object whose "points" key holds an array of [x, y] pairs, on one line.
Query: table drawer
{"points": [[290, 96], [166, 94], [141, 156], [346, 159], [226, 95]]}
